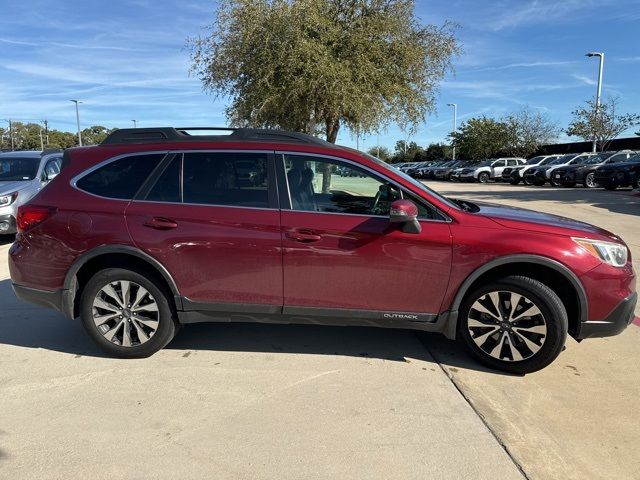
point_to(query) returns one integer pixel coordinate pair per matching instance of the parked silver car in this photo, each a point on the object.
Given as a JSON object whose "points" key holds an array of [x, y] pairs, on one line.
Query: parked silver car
{"points": [[22, 175]]}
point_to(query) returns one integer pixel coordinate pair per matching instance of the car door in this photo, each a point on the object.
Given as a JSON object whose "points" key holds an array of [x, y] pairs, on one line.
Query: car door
{"points": [[341, 254], [497, 167], [212, 219]]}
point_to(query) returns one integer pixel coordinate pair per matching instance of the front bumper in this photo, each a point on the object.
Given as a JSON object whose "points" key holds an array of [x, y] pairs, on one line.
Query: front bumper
{"points": [[535, 177], [619, 319], [7, 224]]}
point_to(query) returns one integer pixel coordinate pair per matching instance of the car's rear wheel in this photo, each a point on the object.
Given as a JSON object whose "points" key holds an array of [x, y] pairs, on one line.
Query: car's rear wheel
{"points": [[484, 177], [515, 324], [126, 314], [589, 180]]}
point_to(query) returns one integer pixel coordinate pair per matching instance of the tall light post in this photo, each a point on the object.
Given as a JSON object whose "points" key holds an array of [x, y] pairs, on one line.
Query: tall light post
{"points": [[455, 123], [135, 123], [599, 90], [78, 121]]}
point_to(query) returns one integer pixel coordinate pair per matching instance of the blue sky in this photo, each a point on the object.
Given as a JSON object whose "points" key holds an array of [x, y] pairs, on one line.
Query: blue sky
{"points": [[126, 60]]}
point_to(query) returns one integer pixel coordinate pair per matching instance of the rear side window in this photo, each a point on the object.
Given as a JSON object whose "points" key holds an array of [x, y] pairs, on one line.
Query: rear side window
{"points": [[121, 178], [225, 178]]}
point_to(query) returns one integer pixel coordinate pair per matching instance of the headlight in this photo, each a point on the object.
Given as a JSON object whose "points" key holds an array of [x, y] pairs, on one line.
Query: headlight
{"points": [[614, 254], [8, 199]]}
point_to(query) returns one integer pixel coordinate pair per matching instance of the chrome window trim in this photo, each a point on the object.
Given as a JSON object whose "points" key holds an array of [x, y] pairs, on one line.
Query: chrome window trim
{"points": [[206, 205], [447, 218]]}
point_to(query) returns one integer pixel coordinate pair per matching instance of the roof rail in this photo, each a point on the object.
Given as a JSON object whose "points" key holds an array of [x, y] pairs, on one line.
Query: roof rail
{"points": [[171, 134]]}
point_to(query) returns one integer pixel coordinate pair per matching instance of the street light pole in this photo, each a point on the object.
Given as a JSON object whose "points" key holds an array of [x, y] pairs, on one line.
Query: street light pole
{"points": [[135, 123], [599, 88], [78, 121], [455, 123]]}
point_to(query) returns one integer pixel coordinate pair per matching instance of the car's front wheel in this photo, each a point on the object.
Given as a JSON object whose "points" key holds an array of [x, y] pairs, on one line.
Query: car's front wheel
{"points": [[515, 324], [589, 180], [126, 314], [484, 177]]}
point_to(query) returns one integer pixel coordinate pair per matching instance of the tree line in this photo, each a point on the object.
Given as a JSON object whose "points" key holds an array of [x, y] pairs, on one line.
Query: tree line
{"points": [[33, 136]]}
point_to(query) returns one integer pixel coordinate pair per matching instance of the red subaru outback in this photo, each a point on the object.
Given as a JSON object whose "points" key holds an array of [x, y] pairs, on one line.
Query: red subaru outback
{"points": [[155, 228]]}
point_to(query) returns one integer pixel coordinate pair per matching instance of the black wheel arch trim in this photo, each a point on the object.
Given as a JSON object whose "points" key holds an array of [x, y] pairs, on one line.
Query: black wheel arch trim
{"points": [[70, 281], [524, 258]]}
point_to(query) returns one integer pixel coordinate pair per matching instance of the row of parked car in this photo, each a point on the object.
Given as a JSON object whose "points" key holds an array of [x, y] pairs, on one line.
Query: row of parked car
{"points": [[609, 170]]}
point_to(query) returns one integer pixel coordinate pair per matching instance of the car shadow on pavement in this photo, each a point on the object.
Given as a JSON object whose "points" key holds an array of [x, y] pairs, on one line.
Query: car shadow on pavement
{"points": [[25, 325], [620, 201], [7, 239]]}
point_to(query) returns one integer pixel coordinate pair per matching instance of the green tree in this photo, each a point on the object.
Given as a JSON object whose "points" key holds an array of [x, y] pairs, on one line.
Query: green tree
{"points": [[383, 153], [528, 131], [480, 138], [437, 151], [95, 135], [58, 139], [314, 65], [406, 152], [601, 125]]}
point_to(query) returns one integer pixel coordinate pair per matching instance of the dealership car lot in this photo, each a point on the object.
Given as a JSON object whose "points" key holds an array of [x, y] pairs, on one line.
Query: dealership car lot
{"points": [[310, 402]]}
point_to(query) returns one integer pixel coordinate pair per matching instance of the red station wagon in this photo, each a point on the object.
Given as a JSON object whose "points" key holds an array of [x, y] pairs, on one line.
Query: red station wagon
{"points": [[160, 227]]}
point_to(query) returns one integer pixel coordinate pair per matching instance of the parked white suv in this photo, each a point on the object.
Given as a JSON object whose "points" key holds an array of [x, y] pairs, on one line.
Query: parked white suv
{"points": [[489, 170]]}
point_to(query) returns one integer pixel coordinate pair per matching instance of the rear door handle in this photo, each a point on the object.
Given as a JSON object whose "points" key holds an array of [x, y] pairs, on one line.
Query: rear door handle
{"points": [[160, 223], [304, 235]]}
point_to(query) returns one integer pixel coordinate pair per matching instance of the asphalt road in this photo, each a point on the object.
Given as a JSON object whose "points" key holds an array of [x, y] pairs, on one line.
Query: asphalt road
{"points": [[256, 401]]}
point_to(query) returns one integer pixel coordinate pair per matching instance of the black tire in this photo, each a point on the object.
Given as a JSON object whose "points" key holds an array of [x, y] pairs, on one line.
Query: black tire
{"points": [[554, 317], [636, 183], [484, 177], [514, 181], [589, 181], [538, 183], [166, 324], [527, 181]]}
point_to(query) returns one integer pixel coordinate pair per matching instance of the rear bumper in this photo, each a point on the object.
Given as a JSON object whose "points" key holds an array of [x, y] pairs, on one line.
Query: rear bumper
{"points": [[61, 300], [619, 319]]}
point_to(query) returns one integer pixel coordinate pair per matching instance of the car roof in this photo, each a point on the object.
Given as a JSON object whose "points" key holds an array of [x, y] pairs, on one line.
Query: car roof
{"points": [[22, 153]]}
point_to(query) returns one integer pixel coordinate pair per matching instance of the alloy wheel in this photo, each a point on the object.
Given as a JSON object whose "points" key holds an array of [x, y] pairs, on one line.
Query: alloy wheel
{"points": [[125, 313], [507, 326], [589, 180]]}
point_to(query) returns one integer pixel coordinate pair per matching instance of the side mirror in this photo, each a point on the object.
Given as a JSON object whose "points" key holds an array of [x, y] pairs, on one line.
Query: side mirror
{"points": [[405, 213]]}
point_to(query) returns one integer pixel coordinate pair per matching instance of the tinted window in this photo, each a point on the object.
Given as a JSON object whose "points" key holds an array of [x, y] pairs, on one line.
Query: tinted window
{"points": [[512, 163], [167, 187], [321, 185], [52, 167], [121, 178], [237, 179], [18, 168]]}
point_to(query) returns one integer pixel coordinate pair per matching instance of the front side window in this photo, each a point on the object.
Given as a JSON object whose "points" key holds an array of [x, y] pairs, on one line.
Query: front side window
{"points": [[52, 167], [122, 178], [328, 186]]}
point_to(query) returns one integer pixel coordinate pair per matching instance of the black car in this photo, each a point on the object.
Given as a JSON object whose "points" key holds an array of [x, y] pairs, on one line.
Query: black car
{"points": [[584, 173], [625, 174], [443, 172]]}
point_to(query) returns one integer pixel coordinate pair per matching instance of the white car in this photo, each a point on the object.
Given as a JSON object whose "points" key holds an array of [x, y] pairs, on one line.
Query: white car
{"points": [[514, 175], [489, 170], [541, 174]]}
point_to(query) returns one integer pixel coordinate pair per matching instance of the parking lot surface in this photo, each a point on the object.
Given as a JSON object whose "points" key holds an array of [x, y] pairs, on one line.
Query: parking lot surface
{"points": [[257, 401]]}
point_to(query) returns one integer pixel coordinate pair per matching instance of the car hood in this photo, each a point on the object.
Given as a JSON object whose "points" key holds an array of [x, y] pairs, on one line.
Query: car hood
{"points": [[12, 186], [523, 219]]}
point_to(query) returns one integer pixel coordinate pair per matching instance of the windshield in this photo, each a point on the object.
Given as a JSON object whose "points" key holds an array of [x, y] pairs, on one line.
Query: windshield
{"points": [[593, 160], [635, 159], [561, 160], [413, 181], [18, 168], [534, 160], [581, 159]]}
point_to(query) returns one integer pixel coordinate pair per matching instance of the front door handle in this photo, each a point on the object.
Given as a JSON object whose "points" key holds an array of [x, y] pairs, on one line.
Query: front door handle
{"points": [[160, 223], [304, 235]]}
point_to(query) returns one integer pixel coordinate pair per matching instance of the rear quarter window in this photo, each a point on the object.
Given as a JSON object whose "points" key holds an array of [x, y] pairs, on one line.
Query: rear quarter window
{"points": [[121, 178]]}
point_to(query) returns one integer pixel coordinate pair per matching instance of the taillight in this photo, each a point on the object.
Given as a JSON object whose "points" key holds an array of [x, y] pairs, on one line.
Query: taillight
{"points": [[31, 215]]}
